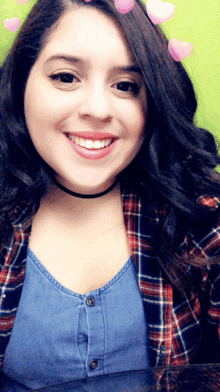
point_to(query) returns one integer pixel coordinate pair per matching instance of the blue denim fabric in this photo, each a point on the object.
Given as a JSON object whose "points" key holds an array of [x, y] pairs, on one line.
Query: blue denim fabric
{"points": [[60, 336]]}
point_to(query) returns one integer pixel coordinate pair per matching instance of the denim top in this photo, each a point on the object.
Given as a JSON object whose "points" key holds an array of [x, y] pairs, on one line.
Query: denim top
{"points": [[60, 336]]}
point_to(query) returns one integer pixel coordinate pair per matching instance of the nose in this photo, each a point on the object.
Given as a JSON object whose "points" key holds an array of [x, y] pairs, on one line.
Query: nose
{"points": [[96, 104]]}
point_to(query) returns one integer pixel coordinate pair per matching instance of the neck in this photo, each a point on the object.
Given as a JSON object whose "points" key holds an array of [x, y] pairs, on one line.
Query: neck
{"points": [[74, 209]]}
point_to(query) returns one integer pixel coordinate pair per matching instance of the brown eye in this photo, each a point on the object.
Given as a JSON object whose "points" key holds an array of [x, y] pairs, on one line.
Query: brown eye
{"points": [[128, 87], [63, 77]]}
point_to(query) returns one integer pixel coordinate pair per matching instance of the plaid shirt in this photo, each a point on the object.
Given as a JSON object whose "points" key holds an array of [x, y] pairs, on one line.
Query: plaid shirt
{"points": [[174, 324]]}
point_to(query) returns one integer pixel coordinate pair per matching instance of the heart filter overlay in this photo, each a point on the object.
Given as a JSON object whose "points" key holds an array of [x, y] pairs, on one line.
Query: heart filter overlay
{"points": [[179, 50], [12, 24], [124, 6], [160, 12], [22, 2]]}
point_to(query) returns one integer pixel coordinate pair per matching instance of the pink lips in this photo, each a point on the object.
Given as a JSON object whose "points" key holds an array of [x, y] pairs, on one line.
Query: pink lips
{"points": [[89, 153]]}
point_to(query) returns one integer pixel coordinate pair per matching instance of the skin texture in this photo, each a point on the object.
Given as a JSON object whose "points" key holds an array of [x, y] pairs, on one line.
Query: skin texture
{"points": [[94, 95]]}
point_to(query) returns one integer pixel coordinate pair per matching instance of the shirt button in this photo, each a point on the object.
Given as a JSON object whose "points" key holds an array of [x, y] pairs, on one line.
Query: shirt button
{"points": [[90, 301], [93, 365]]}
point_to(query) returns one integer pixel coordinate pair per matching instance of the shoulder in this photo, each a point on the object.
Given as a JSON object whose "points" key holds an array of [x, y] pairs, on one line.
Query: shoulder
{"points": [[15, 227], [203, 239]]}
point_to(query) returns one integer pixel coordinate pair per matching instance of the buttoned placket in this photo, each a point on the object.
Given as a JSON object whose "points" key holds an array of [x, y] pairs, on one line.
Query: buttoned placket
{"points": [[96, 334]]}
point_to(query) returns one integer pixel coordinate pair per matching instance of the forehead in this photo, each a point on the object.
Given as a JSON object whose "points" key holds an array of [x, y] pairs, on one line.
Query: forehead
{"points": [[88, 31]]}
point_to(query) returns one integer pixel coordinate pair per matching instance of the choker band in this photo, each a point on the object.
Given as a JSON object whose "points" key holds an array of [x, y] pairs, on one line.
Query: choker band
{"points": [[80, 195]]}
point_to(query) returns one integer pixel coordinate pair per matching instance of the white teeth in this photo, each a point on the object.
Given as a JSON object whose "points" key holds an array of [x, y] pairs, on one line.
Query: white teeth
{"points": [[81, 141], [90, 144]]}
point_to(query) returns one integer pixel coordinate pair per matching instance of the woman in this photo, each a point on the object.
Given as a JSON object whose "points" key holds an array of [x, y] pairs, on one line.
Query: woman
{"points": [[105, 181]]}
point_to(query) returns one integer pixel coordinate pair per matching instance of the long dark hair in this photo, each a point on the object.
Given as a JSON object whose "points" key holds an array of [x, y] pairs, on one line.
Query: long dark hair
{"points": [[177, 160]]}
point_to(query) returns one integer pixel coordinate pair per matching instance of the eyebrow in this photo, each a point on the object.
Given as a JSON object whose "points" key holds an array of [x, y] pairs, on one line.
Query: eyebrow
{"points": [[72, 59]]}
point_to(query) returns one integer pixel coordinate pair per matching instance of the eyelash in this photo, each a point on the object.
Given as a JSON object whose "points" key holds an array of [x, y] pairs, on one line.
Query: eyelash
{"points": [[68, 78], [133, 87], [59, 77]]}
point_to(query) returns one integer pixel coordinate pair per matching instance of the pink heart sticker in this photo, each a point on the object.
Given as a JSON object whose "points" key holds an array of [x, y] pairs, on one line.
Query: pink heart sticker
{"points": [[12, 24], [124, 6], [179, 50], [22, 2], [160, 12]]}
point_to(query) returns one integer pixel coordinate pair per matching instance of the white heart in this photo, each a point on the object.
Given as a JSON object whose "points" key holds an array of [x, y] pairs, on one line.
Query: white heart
{"points": [[160, 12]]}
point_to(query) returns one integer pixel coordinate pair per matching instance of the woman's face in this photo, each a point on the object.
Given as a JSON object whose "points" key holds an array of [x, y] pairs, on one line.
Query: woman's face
{"points": [[85, 101]]}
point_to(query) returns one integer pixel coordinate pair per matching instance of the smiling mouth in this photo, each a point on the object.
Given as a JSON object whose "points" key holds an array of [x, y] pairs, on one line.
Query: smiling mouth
{"points": [[90, 144]]}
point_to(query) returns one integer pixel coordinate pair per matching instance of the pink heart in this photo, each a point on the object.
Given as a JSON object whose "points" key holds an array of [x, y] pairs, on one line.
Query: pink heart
{"points": [[124, 6], [22, 2], [12, 24], [179, 50], [160, 12]]}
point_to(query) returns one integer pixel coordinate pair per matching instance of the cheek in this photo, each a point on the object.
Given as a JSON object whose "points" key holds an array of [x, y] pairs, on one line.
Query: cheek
{"points": [[137, 133], [134, 113], [42, 105], [137, 124], [134, 134]]}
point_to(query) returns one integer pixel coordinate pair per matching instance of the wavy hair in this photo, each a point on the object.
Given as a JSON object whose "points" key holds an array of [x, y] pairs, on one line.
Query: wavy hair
{"points": [[176, 163]]}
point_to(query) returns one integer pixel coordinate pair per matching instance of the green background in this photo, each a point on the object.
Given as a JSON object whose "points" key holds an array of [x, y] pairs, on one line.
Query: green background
{"points": [[195, 21]]}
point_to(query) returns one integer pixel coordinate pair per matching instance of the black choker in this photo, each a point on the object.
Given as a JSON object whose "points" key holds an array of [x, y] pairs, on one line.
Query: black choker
{"points": [[81, 195]]}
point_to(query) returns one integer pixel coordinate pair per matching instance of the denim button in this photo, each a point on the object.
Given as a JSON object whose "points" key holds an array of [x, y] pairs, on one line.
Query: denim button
{"points": [[90, 301], [93, 365]]}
